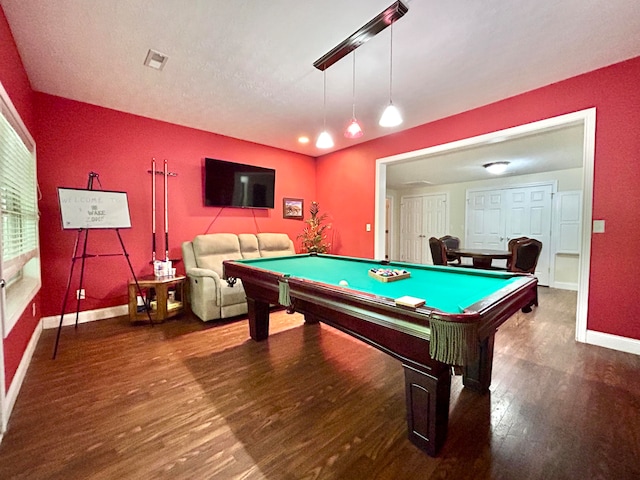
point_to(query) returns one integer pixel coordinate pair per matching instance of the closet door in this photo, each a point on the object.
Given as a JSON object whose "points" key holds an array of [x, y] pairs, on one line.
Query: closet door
{"points": [[485, 220], [421, 217], [528, 214], [411, 238]]}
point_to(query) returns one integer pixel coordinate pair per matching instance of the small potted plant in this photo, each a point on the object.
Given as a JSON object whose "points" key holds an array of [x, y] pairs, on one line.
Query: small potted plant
{"points": [[314, 239]]}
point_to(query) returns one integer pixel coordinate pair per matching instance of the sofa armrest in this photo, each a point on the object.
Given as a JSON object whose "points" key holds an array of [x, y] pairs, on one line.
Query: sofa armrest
{"points": [[204, 273]]}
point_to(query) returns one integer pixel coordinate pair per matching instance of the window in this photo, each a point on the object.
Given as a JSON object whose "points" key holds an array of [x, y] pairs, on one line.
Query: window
{"points": [[19, 260]]}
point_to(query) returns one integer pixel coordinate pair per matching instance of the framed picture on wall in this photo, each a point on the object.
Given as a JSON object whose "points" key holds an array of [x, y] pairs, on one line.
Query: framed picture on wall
{"points": [[293, 208]]}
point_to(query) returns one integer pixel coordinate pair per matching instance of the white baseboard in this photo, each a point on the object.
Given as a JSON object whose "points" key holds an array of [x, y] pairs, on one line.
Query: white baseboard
{"points": [[566, 286], [614, 342], [18, 378], [86, 316]]}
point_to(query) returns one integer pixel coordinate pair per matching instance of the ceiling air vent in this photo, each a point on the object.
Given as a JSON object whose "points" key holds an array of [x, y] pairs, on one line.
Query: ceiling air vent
{"points": [[155, 59]]}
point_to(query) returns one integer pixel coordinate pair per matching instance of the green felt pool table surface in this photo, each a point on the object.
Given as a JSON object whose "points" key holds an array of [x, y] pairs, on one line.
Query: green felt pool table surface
{"points": [[448, 289]]}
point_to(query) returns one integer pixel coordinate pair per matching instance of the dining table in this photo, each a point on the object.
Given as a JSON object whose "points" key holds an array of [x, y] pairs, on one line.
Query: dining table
{"points": [[481, 257]]}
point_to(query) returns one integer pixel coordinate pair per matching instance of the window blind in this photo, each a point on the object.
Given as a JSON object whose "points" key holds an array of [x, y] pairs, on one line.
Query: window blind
{"points": [[17, 199]]}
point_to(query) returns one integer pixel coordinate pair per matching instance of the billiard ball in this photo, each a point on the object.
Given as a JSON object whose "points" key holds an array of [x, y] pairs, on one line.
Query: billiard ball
{"points": [[343, 283]]}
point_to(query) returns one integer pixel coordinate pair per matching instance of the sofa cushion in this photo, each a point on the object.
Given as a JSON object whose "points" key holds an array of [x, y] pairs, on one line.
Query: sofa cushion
{"points": [[248, 245], [275, 244], [212, 249]]}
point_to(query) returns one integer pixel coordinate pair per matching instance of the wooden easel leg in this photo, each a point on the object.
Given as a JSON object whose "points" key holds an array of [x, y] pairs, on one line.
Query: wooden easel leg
{"points": [[66, 295], [126, 255]]}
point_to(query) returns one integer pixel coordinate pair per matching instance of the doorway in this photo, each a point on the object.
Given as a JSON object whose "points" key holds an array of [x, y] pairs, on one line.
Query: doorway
{"points": [[586, 118]]}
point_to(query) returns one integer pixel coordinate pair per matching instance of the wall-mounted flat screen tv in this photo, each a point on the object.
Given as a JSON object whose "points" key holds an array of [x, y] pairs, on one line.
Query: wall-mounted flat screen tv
{"points": [[230, 184]]}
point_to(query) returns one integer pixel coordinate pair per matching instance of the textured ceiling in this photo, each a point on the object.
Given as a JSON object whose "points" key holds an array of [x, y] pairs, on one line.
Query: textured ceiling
{"points": [[542, 151], [243, 68]]}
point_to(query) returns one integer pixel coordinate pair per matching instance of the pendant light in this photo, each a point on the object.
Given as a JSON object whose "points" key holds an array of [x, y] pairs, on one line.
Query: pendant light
{"points": [[324, 139], [391, 116], [354, 130]]}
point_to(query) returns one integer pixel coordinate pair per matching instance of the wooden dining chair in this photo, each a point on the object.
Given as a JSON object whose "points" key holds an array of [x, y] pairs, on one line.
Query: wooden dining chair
{"points": [[438, 251], [511, 245], [525, 255], [451, 242], [525, 259]]}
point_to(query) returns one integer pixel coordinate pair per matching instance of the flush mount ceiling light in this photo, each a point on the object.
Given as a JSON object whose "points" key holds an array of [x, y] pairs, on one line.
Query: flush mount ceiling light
{"points": [[496, 168], [155, 60]]}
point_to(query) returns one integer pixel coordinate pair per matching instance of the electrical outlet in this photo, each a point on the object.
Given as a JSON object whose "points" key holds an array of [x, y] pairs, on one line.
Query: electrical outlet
{"points": [[80, 294]]}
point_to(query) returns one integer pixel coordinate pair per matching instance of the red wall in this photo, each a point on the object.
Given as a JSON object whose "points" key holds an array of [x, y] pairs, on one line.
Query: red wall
{"points": [[75, 138], [615, 94]]}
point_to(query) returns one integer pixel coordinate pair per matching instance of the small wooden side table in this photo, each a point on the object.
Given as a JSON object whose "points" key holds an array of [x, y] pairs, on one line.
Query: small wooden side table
{"points": [[164, 296]]}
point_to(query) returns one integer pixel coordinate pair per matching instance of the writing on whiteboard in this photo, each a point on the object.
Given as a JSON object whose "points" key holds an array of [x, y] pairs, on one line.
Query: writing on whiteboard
{"points": [[82, 209]]}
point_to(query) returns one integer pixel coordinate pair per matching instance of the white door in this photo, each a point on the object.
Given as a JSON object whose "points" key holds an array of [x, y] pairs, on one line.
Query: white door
{"points": [[495, 216], [485, 220], [434, 212], [411, 238], [421, 217], [529, 215]]}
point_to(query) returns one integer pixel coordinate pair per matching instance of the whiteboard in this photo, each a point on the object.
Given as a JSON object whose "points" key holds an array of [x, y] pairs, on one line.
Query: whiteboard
{"points": [[82, 208]]}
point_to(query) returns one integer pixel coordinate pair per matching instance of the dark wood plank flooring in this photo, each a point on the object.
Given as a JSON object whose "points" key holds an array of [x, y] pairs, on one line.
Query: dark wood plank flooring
{"points": [[188, 400]]}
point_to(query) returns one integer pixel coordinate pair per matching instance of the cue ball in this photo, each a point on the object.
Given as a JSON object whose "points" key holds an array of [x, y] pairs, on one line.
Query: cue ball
{"points": [[343, 283]]}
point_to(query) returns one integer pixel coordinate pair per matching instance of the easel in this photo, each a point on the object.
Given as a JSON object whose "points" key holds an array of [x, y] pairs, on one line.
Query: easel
{"points": [[83, 257]]}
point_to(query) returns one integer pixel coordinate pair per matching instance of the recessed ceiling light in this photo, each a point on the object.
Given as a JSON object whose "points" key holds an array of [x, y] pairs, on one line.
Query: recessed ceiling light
{"points": [[303, 139], [155, 59]]}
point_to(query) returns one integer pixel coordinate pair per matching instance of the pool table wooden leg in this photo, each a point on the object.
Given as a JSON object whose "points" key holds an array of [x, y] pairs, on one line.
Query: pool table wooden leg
{"points": [[427, 399], [311, 319], [258, 313], [477, 375]]}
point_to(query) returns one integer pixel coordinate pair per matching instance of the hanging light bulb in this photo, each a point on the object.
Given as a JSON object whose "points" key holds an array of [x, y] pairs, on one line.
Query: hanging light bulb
{"points": [[354, 130], [324, 139], [391, 116]]}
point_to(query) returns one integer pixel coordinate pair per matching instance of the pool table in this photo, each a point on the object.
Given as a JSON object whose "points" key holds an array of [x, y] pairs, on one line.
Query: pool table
{"points": [[456, 325]]}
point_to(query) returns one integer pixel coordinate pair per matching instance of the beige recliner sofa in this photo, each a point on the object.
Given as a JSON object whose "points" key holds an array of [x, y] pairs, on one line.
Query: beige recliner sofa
{"points": [[210, 295]]}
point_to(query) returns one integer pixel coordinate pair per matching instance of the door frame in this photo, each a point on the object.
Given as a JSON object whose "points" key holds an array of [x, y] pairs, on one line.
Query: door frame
{"points": [[389, 226], [587, 118]]}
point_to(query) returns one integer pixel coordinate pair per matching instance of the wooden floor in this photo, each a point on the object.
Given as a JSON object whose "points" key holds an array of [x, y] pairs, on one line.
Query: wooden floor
{"points": [[188, 400]]}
